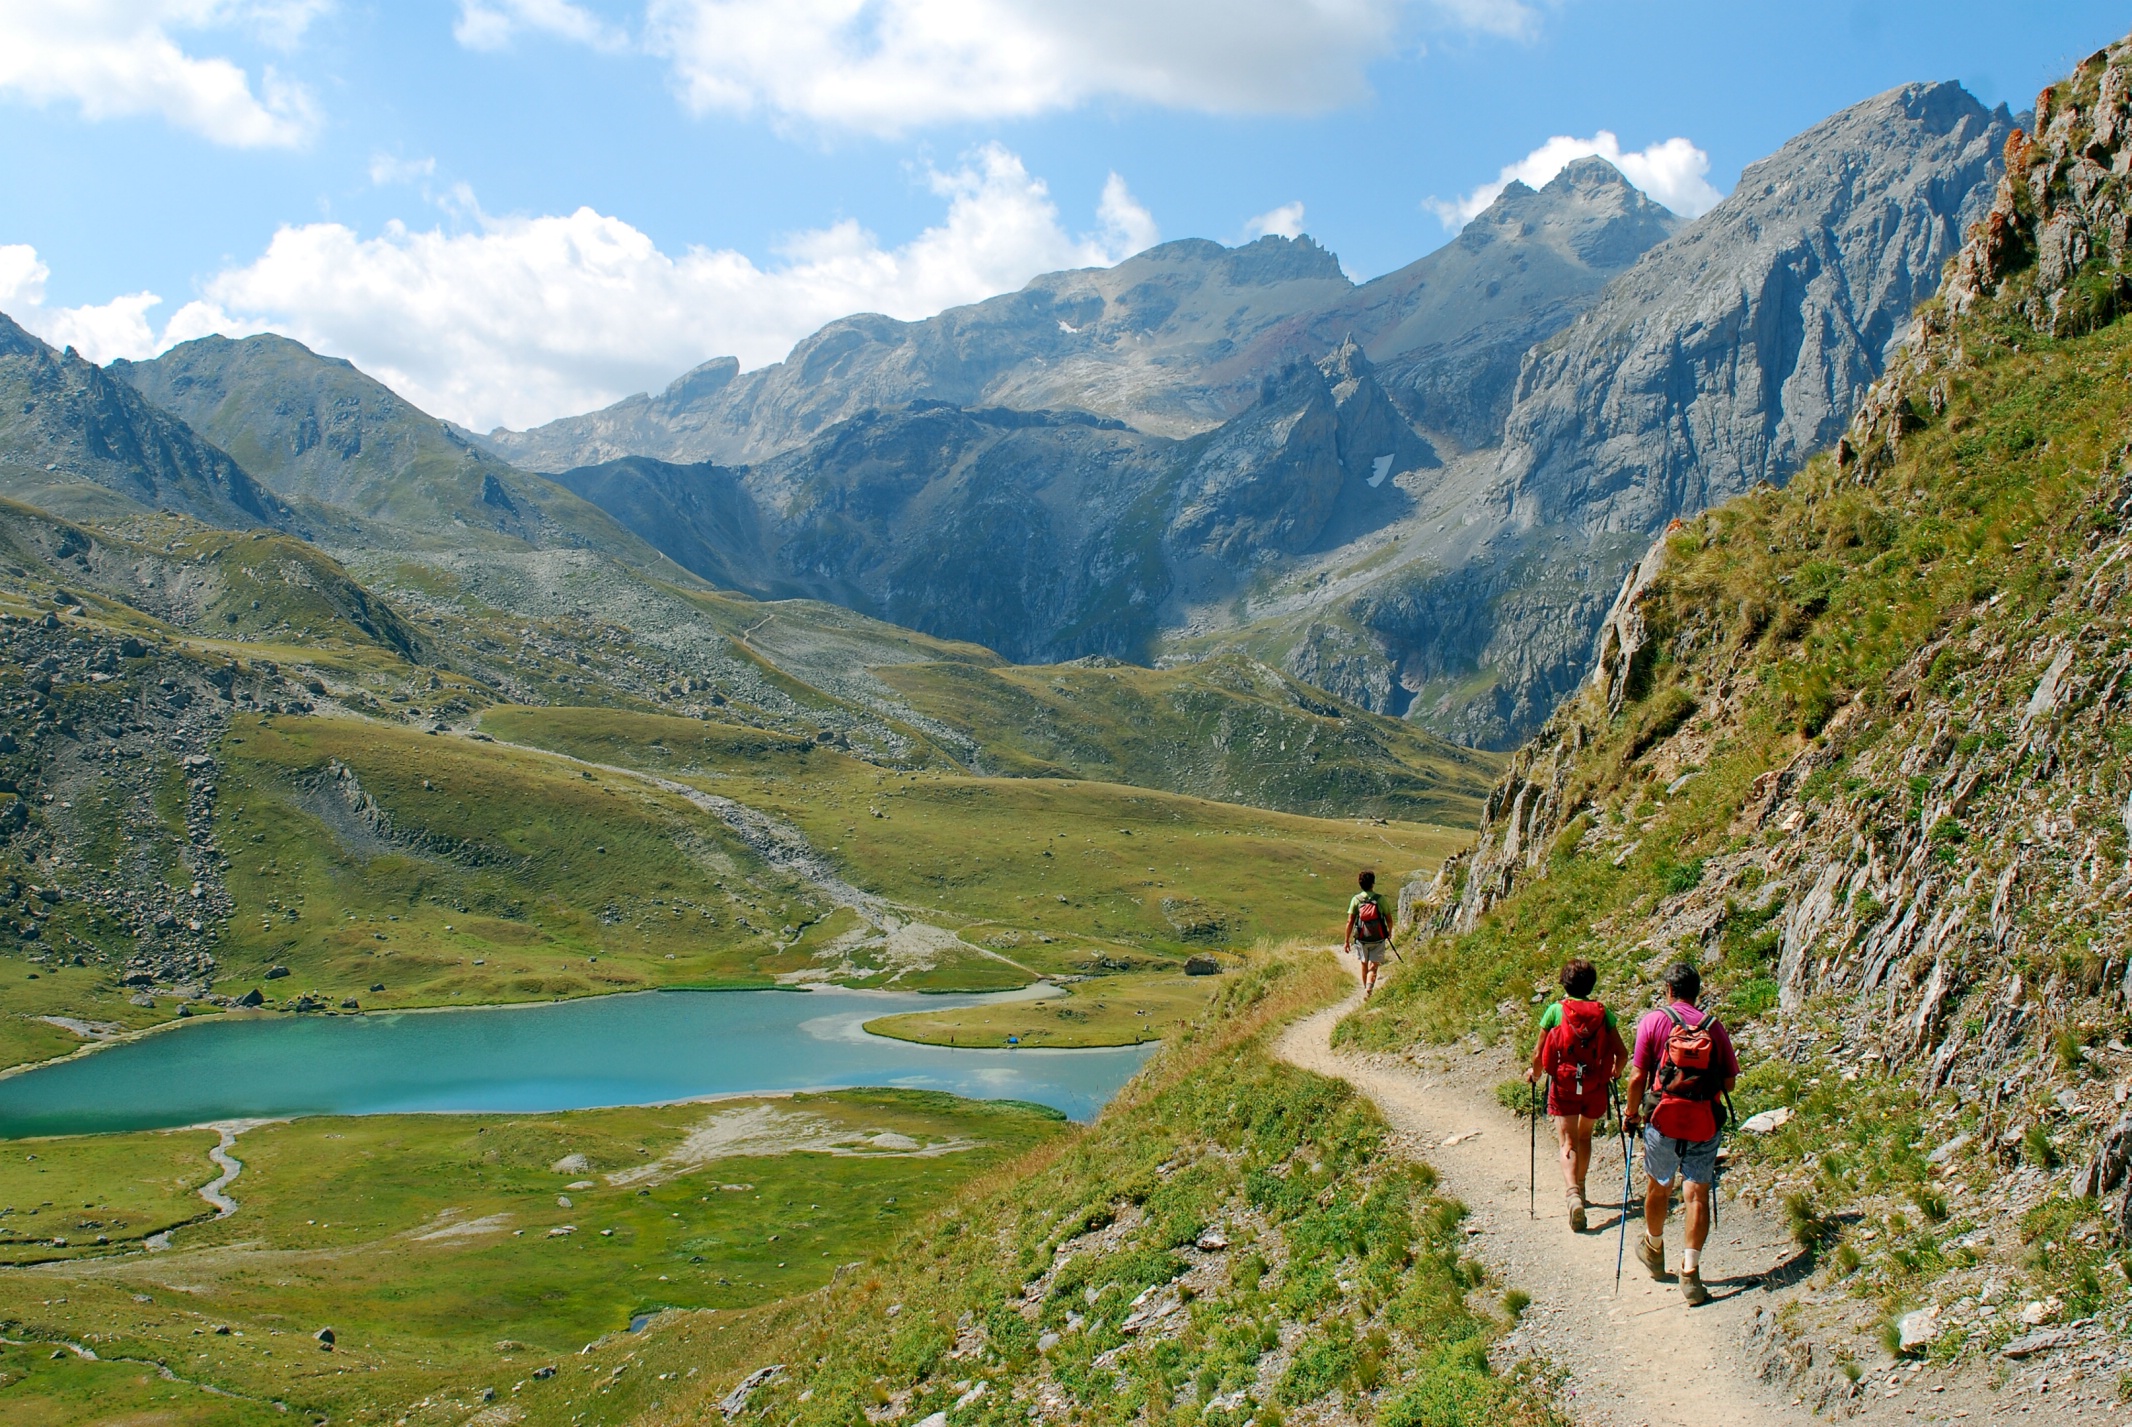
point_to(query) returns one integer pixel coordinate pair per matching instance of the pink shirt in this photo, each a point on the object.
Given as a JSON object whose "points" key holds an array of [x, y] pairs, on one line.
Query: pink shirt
{"points": [[1652, 1030]]}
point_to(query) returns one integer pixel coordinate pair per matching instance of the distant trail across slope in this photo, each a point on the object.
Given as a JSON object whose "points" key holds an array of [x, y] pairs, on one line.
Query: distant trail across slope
{"points": [[1640, 1358], [786, 848]]}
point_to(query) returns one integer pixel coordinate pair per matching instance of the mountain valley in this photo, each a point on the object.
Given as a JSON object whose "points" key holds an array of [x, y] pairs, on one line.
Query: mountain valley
{"points": [[1754, 590]]}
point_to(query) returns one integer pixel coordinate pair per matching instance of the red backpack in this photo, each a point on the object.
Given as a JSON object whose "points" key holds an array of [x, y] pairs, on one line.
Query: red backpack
{"points": [[1689, 1080], [1576, 1047], [1369, 920]]}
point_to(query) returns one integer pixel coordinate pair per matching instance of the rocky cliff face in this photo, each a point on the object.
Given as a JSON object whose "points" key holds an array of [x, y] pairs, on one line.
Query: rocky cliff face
{"points": [[1044, 535], [1257, 408], [77, 441], [1858, 748], [1739, 348], [1449, 332]]}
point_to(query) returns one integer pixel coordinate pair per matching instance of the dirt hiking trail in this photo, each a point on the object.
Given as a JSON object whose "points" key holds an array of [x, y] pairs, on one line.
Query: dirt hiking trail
{"points": [[1642, 1357]]}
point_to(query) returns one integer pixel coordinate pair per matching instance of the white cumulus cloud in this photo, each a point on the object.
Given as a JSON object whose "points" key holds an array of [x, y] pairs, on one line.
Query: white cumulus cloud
{"points": [[888, 65], [493, 24], [1285, 221], [118, 328], [516, 320], [121, 58], [1672, 171]]}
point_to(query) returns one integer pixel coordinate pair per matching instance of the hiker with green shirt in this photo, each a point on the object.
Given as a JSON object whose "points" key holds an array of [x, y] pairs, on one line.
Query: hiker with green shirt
{"points": [[1580, 1051], [1369, 930]]}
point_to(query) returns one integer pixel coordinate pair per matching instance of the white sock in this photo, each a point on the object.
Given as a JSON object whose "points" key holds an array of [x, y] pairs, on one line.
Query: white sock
{"points": [[1689, 1259]]}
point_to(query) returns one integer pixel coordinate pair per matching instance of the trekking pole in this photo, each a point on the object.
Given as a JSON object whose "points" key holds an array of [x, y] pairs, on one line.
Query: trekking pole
{"points": [[1717, 1165], [1628, 1170], [1532, 1180]]}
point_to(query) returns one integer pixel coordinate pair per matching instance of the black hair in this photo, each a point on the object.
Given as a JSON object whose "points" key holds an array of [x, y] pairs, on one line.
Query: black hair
{"points": [[1366, 880], [1579, 977], [1684, 981]]}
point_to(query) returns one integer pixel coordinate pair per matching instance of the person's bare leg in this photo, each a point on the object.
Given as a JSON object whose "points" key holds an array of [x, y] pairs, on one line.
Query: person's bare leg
{"points": [[1565, 1148], [1697, 1207], [1657, 1199], [1657, 1195], [1580, 1134], [1696, 1200]]}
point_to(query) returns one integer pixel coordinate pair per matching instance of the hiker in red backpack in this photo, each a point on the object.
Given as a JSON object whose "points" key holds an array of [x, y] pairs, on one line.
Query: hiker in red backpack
{"points": [[1686, 1056], [1579, 1054], [1369, 930]]}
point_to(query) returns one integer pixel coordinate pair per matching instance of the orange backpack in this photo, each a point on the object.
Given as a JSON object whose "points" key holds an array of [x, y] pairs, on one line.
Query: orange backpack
{"points": [[1689, 1081]]}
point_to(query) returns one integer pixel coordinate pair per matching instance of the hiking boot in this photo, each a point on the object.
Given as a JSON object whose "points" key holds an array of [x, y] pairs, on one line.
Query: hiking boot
{"points": [[1576, 1212], [1691, 1288], [1651, 1253]]}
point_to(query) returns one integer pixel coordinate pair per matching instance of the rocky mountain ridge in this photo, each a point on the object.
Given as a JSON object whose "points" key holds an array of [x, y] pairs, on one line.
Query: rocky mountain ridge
{"points": [[1570, 373], [1172, 342], [368, 468], [78, 440]]}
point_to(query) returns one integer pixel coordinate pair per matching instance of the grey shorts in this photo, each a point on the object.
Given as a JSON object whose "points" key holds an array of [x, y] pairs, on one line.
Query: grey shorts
{"points": [[1373, 952], [1664, 1158]]}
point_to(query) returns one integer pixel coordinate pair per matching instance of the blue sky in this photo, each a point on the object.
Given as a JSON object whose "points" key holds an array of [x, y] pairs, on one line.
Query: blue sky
{"points": [[514, 209]]}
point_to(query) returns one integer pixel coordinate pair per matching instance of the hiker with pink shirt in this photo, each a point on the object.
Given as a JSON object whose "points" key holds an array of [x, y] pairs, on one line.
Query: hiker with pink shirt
{"points": [[1684, 1055]]}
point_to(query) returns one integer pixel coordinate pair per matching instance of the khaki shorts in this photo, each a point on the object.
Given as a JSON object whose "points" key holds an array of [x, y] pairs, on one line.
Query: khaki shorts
{"points": [[1373, 952]]}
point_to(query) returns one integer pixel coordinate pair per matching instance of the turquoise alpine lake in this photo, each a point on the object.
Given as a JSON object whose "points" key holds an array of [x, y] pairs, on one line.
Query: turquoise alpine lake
{"points": [[637, 1049]]}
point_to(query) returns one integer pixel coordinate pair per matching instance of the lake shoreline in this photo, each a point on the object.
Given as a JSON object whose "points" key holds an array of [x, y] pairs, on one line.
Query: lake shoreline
{"points": [[641, 1048]]}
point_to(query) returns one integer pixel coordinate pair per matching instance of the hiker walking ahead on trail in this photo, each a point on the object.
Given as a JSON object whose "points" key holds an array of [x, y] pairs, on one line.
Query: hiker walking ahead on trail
{"points": [[1369, 930], [1686, 1057], [1579, 1054]]}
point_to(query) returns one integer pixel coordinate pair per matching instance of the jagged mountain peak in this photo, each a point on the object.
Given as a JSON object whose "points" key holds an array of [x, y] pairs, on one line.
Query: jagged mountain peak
{"points": [[1589, 211]]}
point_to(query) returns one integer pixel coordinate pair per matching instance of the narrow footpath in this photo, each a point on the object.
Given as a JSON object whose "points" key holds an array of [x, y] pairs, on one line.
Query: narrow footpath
{"points": [[1639, 1359]]}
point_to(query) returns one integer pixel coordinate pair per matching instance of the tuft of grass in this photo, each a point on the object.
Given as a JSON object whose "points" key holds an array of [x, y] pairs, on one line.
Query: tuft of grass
{"points": [[1515, 1302], [1805, 1221], [1520, 1099]]}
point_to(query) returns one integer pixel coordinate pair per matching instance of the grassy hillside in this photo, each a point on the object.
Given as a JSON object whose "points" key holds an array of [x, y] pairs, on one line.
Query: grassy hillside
{"points": [[1231, 728], [1859, 750], [451, 869], [1049, 872], [206, 807], [1083, 1285]]}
